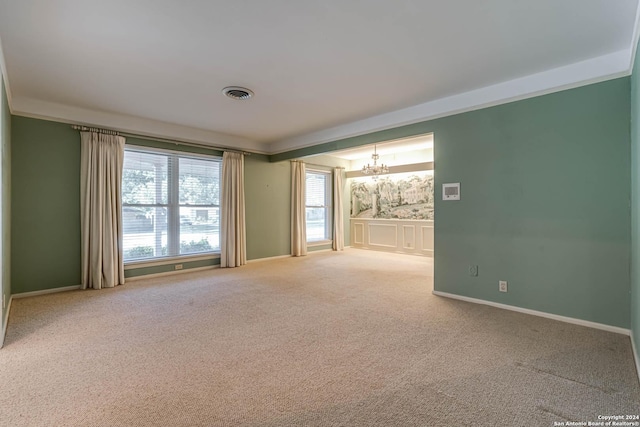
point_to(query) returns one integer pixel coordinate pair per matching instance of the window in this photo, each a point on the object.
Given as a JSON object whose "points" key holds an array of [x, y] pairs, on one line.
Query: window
{"points": [[170, 204], [318, 205]]}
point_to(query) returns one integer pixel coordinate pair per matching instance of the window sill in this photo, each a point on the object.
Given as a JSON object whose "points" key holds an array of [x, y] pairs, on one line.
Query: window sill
{"points": [[130, 265]]}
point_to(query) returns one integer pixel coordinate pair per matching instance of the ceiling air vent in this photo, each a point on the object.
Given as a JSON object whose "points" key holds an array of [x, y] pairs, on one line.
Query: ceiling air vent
{"points": [[236, 92]]}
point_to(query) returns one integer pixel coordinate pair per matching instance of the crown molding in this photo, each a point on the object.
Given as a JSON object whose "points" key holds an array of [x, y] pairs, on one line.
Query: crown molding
{"points": [[634, 43], [3, 70], [606, 67], [45, 110], [581, 73]]}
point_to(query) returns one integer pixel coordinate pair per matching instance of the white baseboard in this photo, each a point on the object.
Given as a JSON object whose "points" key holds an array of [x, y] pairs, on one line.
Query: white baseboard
{"points": [[271, 258], [575, 321], [46, 291], [6, 322], [170, 273], [290, 256], [636, 356]]}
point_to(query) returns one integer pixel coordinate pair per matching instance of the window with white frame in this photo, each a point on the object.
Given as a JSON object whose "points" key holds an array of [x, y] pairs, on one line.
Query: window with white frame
{"points": [[318, 205], [170, 204]]}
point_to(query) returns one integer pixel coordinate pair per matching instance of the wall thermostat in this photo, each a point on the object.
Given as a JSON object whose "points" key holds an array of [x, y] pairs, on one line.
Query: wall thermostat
{"points": [[451, 191]]}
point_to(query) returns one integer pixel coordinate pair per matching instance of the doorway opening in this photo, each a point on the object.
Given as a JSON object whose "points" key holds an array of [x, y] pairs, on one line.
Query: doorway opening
{"points": [[393, 210]]}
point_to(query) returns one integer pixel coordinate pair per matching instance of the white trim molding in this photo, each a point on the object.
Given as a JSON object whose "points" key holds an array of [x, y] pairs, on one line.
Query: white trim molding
{"points": [[273, 258], [3, 70], [634, 40], [565, 319], [38, 109], [46, 291], [605, 67], [270, 258], [6, 322], [636, 355], [594, 70], [408, 236]]}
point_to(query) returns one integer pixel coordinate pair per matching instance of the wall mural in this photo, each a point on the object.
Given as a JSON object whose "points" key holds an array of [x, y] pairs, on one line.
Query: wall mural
{"points": [[396, 196]]}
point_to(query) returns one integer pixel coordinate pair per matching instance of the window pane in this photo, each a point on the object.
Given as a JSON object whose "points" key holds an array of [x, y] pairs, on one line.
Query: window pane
{"points": [[145, 232], [318, 202], [199, 182], [316, 185], [144, 178], [199, 230], [170, 204], [144, 182], [316, 224]]}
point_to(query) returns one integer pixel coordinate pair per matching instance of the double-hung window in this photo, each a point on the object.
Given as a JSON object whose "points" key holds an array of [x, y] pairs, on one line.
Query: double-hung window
{"points": [[170, 204], [318, 205]]}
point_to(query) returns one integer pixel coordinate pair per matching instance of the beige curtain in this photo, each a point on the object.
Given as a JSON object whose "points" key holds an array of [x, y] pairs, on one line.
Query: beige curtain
{"points": [[338, 219], [298, 209], [233, 242], [102, 158]]}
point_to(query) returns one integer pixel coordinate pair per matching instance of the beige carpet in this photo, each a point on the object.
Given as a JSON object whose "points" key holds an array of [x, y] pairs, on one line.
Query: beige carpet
{"points": [[332, 339]]}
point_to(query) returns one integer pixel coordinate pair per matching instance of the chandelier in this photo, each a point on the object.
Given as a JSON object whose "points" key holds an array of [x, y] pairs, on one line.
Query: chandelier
{"points": [[376, 169]]}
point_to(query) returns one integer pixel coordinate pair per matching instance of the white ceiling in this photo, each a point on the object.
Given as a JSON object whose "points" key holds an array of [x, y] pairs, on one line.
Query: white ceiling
{"points": [[320, 70]]}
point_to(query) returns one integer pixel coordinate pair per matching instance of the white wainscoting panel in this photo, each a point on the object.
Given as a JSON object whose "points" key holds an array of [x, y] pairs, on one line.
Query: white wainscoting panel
{"points": [[408, 236], [358, 231], [427, 238], [393, 235], [383, 235]]}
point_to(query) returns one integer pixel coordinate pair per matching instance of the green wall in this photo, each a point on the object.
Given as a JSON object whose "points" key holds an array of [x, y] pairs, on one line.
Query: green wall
{"points": [[267, 190], [5, 147], [635, 202], [45, 194], [268, 205], [46, 206], [545, 192], [545, 186]]}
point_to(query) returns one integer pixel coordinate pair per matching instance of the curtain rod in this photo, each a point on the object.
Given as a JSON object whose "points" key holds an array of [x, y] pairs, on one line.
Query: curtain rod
{"points": [[151, 138], [90, 129]]}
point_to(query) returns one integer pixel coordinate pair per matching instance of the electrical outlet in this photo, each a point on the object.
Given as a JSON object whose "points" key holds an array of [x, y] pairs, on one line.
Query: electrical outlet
{"points": [[502, 285], [178, 266], [473, 270]]}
